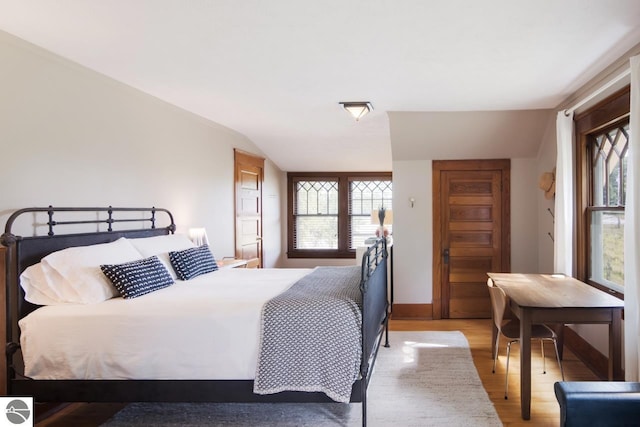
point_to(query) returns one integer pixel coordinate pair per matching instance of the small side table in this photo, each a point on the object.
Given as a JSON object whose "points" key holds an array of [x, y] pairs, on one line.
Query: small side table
{"points": [[231, 263]]}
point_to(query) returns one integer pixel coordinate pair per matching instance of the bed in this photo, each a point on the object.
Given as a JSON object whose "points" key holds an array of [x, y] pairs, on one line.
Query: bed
{"points": [[54, 366]]}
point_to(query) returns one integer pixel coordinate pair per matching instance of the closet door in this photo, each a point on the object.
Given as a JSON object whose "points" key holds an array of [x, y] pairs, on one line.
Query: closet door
{"points": [[249, 172], [471, 234]]}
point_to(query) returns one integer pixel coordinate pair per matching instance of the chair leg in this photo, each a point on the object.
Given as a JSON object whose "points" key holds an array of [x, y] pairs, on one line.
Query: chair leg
{"points": [[495, 357], [544, 363], [506, 380], [555, 344]]}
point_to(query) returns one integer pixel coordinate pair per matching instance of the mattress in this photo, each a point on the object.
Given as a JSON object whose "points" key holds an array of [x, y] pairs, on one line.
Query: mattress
{"points": [[204, 328]]}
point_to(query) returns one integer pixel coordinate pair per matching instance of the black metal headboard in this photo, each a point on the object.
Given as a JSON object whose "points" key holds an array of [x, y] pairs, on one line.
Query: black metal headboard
{"points": [[110, 224]]}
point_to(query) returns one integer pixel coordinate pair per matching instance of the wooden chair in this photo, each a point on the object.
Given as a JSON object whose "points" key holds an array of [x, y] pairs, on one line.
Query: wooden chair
{"points": [[511, 330]]}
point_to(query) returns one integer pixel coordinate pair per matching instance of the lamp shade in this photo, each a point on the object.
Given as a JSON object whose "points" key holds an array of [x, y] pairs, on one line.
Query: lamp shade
{"points": [[357, 109], [198, 236]]}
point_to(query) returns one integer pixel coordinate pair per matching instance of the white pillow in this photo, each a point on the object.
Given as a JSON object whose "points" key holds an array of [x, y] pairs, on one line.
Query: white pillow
{"points": [[79, 267], [40, 286], [161, 246]]}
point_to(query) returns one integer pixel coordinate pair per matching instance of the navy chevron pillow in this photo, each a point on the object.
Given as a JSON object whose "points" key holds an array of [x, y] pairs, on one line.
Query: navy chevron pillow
{"points": [[193, 262], [137, 278]]}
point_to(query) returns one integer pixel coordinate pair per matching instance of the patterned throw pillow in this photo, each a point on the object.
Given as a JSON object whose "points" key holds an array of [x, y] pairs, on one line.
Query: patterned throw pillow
{"points": [[193, 262], [136, 278]]}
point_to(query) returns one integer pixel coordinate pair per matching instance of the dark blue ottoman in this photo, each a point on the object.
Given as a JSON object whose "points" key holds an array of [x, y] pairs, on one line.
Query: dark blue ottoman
{"points": [[598, 403]]}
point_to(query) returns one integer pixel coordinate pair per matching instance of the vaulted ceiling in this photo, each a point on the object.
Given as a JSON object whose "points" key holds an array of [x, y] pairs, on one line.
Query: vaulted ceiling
{"points": [[276, 70]]}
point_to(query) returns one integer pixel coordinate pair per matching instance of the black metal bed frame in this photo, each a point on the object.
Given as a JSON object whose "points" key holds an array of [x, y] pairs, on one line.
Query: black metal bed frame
{"points": [[25, 251]]}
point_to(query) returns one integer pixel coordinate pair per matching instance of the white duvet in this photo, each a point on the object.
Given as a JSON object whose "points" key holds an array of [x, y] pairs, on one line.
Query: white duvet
{"points": [[204, 328]]}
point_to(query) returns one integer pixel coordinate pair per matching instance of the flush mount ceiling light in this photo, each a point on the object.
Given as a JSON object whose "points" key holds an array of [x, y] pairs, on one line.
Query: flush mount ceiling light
{"points": [[357, 109]]}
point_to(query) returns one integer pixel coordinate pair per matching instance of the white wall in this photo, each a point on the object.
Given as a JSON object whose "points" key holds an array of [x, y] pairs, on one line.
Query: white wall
{"points": [[546, 162], [273, 221], [73, 137], [412, 232], [524, 215]]}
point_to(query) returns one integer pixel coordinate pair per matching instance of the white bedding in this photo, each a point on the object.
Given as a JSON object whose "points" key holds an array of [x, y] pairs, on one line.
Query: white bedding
{"points": [[204, 328]]}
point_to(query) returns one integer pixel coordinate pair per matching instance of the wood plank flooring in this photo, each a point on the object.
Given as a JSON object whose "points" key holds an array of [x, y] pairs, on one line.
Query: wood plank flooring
{"points": [[544, 407]]}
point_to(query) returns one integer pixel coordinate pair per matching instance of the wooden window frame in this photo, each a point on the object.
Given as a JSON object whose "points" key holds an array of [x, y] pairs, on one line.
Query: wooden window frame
{"points": [[343, 179], [606, 114]]}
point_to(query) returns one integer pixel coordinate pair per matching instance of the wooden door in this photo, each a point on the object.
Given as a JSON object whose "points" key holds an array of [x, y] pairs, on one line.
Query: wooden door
{"points": [[248, 195], [471, 234]]}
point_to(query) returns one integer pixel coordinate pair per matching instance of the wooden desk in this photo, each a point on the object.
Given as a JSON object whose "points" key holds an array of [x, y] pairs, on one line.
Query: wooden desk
{"points": [[542, 298]]}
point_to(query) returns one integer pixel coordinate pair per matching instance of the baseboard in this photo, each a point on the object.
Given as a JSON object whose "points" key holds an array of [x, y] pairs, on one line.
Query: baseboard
{"points": [[588, 354], [412, 311]]}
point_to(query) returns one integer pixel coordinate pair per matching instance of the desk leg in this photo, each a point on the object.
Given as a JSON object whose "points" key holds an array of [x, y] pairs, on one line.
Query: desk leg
{"points": [[559, 328], [494, 335], [615, 346], [525, 364]]}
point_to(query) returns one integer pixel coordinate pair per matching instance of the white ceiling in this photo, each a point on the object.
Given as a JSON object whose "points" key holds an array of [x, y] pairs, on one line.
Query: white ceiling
{"points": [[275, 70]]}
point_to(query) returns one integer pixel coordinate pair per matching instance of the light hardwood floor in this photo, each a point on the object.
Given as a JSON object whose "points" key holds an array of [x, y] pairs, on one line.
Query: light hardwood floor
{"points": [[544, 407]]}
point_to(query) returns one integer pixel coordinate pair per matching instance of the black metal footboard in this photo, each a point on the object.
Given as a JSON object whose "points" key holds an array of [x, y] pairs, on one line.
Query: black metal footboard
{"points": [[375, 311]]}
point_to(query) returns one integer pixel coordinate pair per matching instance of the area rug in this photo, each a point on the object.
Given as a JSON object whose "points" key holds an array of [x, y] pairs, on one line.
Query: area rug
{"points": [[423, 379]]}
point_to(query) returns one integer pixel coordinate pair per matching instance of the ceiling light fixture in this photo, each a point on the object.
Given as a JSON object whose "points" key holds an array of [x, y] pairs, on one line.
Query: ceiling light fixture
{"points": [[357, 109]]}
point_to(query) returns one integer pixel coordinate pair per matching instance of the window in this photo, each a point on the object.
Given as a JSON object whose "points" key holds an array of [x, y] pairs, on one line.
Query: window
{"points": [[365, 198], [603, 142], [608, 158], [330, 214], [316, 214]]}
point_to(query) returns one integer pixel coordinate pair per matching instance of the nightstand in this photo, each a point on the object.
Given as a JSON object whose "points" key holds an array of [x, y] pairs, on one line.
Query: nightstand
{"points": [[231, 263]]}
